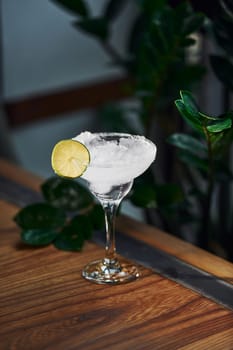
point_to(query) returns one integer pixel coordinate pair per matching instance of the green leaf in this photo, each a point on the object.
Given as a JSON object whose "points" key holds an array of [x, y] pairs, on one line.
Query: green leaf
{"points": [[190, 103], [151, 7], [223, 38], [136, 34], [194, 161], [187, 75], [169, 194], [223, 69], [228, 6], [188, 143], [193, 23], [113, 9], [182, 11], [97, 27], [220, 125], [158, 38], [207, 118], [192, 119], [113, 117], [221, 141], [188, 42], [40, 216], [69, 239], [82, 225], [96, 217], [38, 237], [144, 195], [66, 194], [79, 7], [223, 27], [72, 236], [164, 21]]}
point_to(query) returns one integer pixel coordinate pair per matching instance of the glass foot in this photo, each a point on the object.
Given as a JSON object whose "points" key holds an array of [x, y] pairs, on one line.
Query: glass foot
{"points": [[110, 272]]}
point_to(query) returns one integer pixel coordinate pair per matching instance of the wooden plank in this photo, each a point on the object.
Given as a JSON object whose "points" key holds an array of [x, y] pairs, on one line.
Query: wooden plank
{"points": [[30, 109], [22, 176], [177, 247], [46, 304], [140, 252], [151, 235]]}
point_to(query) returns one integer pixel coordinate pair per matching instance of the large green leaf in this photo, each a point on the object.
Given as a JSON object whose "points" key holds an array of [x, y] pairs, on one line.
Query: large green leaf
{"points": [[190, 103], [38, 237], [150, 7], [113, 8], [182, 11], [221, 141], [192, 119], [188, 41], [194, 161], [223, 27], [187, 75], [96, 217], [164, 20], [69, 239], [67, 194], [220, 125], [168, 195], [82, 225], [79, 7], [40, 216], [193, 23], [114, 117], [228, 5], [73, 236], [206, 118], [144, 195], [223, 38], [157, 38], [188, 143], [137, 31], [97, 27]]}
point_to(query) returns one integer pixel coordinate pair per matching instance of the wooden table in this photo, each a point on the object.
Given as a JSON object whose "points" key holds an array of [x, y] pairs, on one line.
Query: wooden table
{"points": [[46, 304]]}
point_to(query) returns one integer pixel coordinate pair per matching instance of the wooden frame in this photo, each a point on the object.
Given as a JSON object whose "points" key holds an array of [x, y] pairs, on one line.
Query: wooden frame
{"points": [[37, 107]]}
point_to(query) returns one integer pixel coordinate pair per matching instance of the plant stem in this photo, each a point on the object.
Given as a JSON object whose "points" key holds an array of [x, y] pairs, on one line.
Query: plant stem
{"points": [[116, 58], [225, 188]]}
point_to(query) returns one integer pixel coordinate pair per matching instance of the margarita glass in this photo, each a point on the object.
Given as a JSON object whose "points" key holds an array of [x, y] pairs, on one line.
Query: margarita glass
{"points": [[115, 160]]}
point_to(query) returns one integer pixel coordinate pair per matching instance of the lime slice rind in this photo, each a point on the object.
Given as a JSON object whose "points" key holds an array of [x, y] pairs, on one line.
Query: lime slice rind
{"points": [[70, 158]]}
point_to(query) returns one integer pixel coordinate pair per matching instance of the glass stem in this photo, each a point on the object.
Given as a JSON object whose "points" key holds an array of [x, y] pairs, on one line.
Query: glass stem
{"points": [[110, 203], [110, 210]]}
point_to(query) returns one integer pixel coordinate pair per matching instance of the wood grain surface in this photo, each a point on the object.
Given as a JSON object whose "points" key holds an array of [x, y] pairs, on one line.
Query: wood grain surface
{"points": [[182, 250], [46, 304], [151, 235]]}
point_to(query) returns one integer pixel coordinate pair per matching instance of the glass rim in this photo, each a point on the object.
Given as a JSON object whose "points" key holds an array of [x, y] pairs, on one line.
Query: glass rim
{"points": [[122, 134], [118, 135]]}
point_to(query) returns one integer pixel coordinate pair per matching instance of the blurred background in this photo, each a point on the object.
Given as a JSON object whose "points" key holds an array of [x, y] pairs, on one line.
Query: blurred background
{"points": [[42, 55], [69, 66]]}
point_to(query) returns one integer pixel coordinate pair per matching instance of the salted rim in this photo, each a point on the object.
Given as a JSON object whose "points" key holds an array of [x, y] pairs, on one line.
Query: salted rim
{"points": [[118, 134]]}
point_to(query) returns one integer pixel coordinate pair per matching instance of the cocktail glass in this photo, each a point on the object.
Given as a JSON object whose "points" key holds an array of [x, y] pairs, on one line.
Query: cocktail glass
{"points": [[116, 159]]}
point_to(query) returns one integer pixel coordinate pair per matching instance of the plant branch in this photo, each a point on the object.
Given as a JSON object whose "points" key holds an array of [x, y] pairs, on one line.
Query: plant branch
{"points": [[116, 57]]}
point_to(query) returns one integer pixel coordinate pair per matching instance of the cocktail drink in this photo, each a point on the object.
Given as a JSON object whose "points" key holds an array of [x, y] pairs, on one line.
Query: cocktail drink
{"points": [[116, 159], [109, 162]]}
